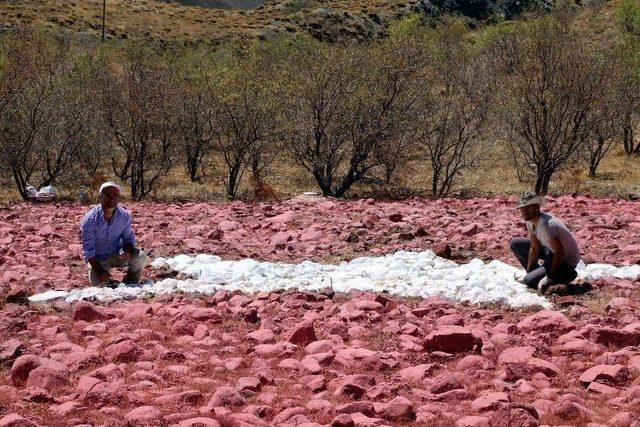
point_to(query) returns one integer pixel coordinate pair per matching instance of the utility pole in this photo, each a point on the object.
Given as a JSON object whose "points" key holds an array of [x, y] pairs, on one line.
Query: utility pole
{"points": [[104, 13]]}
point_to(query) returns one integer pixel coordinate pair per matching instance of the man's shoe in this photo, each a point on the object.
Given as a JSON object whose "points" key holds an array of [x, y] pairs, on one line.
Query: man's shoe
{"points": [[543, 285], [112, 284]]}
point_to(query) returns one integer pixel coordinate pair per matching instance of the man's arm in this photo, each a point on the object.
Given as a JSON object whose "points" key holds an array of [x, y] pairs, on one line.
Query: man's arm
{"points": [[558, 257], [534, 252], [128, 238]]}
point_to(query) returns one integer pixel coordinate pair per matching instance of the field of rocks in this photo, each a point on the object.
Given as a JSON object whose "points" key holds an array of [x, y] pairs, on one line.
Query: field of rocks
{"points": [[311, 359]]}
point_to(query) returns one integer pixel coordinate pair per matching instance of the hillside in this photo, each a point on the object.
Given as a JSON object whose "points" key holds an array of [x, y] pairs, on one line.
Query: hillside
{"points": [[219, 4], [166, 20]]}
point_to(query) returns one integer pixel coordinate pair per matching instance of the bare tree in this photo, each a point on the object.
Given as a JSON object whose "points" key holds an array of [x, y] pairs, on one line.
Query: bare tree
{"points": [[193, 111], [73, 132], [454, 106], [548, 99], [29, 107], [135, 101], [344, 103], [618, 101], [241, 117]]}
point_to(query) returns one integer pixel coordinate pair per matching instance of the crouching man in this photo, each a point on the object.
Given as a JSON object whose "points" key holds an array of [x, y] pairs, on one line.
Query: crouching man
{"points": [[550, 241], [108, 241]]}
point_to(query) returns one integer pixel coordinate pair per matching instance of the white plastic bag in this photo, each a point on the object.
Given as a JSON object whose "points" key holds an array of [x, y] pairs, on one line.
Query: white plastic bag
{"points": [[31, 192], [46, 193]]}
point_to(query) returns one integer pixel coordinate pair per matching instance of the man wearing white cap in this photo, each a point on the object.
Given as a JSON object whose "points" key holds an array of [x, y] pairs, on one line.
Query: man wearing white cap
{"points": [[108, 241], [550, 241]]}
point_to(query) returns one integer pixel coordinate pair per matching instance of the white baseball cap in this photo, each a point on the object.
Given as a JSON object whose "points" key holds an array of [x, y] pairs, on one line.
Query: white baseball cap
{"points": [[110, 184], [530, 198]]}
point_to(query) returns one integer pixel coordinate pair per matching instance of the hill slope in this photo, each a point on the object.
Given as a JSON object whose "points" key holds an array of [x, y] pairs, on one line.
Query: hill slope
{"points": [[164, 19], [220, 4]]}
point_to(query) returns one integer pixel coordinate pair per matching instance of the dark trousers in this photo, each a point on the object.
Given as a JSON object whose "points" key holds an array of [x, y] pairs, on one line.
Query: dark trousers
{"points": [[520, 248]]}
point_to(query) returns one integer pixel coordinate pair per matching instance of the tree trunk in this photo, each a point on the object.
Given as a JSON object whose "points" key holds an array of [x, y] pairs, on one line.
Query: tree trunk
{"points": [[21, 183], [192, 164], [232, 187], [255, 168], [593, 165], [628, 139], [542, 182]]}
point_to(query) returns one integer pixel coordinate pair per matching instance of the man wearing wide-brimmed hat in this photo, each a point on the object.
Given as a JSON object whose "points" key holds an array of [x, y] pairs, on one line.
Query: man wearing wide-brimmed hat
{"points": [[550, 241], [108, 240]]}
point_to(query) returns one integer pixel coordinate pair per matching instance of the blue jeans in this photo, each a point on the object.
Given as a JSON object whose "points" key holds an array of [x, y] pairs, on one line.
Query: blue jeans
{"points": [[520, 248]]}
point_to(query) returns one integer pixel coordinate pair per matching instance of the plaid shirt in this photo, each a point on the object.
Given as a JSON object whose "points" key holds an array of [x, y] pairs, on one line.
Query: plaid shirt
{"points": [[101, 238]]}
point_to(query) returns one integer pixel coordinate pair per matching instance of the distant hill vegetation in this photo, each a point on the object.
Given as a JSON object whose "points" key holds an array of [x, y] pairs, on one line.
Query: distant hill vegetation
{"points": [[220, 4]]}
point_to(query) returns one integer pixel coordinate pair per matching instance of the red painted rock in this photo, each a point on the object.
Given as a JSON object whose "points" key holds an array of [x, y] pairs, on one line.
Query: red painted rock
{"points": [[15, 420], [301, 334], [143, 414], [472, 362], [343, 420], [399, 409], [452, 339], [569, 410], [368, 305], [262, 336], [472, 421], [516, 355], [226, 396], [634, 364], [350, 389], [515, 415], [490, 401], [546, 321], [622, 419], [615, 337], [310, 364], [123, 352], [248, 384], [445, 382], [322, 346], [417, 373], [443, 250], [614, 374], [470, 230], [49, 375], [395, 217], [603, 389], [450, 320], [10, 350], [45, 231], [352, 356], [80, 360], [364, 407], [86, 383], [66, 408], [84, 310], [519, 366], [199, 422], [288, 415]]}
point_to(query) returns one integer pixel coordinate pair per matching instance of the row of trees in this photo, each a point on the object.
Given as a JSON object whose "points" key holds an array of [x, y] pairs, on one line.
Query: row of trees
{"points": [[346, 113]]}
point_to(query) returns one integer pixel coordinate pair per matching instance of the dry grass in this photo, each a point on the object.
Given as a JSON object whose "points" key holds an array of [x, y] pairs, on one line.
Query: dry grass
{"points": [[619, 175]]}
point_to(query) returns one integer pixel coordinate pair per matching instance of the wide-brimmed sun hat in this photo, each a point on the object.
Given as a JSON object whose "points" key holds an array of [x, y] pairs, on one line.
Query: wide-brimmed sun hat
{"points": [[530, 198], [110, 184]]}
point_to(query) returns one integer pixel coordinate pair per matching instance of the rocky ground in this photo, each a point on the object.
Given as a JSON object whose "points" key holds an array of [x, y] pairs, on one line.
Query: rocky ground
{"points": [[296, 358]]}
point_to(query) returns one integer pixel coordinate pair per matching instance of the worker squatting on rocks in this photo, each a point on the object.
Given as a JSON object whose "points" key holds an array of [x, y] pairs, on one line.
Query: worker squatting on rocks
{"points": [[550, 241], [108, 240]]}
